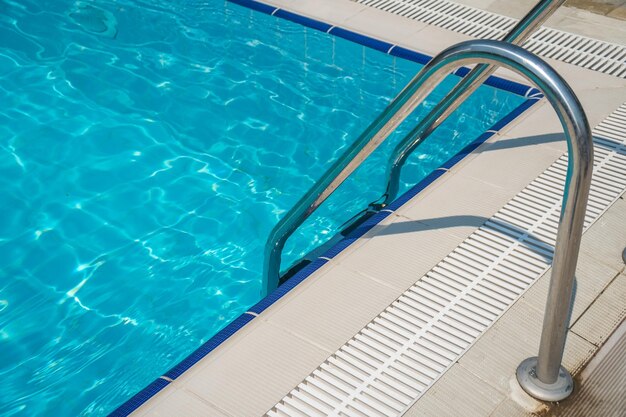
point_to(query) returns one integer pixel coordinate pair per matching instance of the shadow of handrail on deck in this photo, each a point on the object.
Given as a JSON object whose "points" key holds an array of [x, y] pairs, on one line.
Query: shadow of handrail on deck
{"points": [[501, 143], [548, 138], [510, 232], [513, 232]]}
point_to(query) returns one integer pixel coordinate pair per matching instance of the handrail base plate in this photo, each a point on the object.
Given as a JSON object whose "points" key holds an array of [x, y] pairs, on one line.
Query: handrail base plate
{"points": [[527, 378]]}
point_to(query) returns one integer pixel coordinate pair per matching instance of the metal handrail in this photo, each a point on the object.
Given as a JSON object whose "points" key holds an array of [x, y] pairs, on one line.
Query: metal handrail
{"points": [[522, 31], [372, 137], [542, 377]]}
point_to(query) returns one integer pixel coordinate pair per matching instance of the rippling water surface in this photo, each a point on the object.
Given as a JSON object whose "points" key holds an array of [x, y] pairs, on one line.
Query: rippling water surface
{"points": [[146, 150]]}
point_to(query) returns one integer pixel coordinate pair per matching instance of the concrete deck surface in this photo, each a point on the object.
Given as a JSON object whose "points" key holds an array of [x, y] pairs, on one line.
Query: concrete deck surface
{"points": [[576, 16], [611, 8], [483, 382], [602, 391]]}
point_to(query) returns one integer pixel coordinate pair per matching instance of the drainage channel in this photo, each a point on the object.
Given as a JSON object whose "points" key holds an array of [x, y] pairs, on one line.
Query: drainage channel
{"points": [[401, 353]]}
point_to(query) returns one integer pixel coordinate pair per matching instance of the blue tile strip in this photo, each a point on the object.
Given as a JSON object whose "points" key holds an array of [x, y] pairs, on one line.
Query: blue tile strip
{"points": [[256, 5], [138, 399], [386, 47], [513, 115], [287, 286], [410, 55], [304, 21], [532, 94], [361, 39], [400, 201], [157, 385], [209, 346]]}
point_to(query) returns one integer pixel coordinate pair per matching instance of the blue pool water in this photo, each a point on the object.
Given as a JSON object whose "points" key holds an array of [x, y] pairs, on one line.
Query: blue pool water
{"points": [[146, 150]]}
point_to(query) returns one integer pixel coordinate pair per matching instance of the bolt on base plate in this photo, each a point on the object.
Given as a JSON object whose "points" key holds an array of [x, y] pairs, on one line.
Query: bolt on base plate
{"points": [[557, 391]]}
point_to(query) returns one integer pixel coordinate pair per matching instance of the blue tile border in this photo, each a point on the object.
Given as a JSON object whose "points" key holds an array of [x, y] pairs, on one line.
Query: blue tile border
{"points": [[362, 39], [158, 384], [208, 346], [408, 54], [258, 6], [304, 21], [291, 283], [532, 94], [404, 198], [138, 399], [382, 46]]}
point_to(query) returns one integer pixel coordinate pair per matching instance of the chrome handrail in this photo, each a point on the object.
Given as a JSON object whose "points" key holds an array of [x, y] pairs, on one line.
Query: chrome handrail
{"points": [[369, 140], [522, 31], [542, 377]]}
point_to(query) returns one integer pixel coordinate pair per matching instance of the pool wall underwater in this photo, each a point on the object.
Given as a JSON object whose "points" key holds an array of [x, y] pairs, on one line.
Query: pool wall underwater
{"points": [[532, 95]]}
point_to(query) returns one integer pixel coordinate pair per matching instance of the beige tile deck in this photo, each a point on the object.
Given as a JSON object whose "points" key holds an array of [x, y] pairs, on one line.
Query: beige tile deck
{"points": [[604, 315], [256, 367], [398, 253], [458, 220], [611, 8], [313, 314], [491, 362], [467, 403], [175, 402], [515, 337], [602, 391], [243, 379], [335, 12], [396, 29], [574, 19]]}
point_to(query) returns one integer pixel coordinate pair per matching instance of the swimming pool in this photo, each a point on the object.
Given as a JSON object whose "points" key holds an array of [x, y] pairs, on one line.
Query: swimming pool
{"points": [[146, 150]]}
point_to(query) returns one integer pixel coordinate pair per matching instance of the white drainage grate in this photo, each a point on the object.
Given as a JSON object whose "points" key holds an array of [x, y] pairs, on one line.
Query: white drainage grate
{"points": [[605, 57], [390, 363]]}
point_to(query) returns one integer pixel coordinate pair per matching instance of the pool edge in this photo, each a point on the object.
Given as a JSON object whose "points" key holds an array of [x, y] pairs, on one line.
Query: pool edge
{"points": [[532, 95]]}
